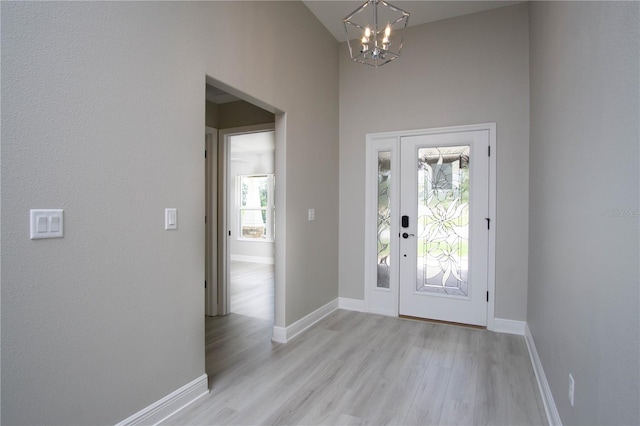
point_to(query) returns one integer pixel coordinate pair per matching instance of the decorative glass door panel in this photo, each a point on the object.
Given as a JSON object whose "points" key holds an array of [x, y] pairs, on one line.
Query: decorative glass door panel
{"points": [[443, 237], [381, 241], [443, 220], [384, 219]]}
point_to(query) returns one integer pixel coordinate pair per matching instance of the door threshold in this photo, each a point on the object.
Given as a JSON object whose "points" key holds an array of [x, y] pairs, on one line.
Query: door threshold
{"points": [[459, 324]]}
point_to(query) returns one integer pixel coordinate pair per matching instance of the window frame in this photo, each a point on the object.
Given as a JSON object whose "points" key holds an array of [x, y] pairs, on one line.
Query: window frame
{"points": [[269, 209]]}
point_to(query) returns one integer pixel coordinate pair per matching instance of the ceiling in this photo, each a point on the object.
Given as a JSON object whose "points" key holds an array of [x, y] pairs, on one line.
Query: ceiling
{"points": [[219, 96], [331, 12]]}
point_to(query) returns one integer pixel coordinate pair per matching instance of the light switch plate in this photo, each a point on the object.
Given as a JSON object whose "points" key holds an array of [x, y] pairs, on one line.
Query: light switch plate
{"points": [[46, 223], [170, 219], [311, 215]]}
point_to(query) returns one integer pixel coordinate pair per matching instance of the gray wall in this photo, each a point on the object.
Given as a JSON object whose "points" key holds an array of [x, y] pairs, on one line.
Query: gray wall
{"points": [[103, 116], [466, 70], [583, 307]]}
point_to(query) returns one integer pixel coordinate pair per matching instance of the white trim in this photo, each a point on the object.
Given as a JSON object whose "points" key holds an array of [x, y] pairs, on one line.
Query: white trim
{"points": [[253, 259], [280, 270], [223, 223], [268, 210], [553, 417], [435, 130], [500, 325], [493, 191], [279, 334], [356, 305], [170, 404], [224, 294], [284, 334]]}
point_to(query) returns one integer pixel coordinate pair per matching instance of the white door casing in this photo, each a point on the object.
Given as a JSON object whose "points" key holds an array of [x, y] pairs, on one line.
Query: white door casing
{"points": [[228, 209], [398, 294]]}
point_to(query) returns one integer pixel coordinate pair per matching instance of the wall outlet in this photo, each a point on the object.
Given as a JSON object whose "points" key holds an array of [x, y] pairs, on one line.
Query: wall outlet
{"points": [[571, 389]]}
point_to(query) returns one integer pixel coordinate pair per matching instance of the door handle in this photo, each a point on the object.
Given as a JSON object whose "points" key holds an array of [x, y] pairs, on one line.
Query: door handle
{"points": [[405, 235]]}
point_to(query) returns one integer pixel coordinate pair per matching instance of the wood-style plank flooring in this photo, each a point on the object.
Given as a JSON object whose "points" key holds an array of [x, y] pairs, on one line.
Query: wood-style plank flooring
{"points": [[357, 368], [251, 289]]}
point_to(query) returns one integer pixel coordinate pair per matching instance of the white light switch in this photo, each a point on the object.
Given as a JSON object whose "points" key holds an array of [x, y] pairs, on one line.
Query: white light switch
{"points": [[54, 224], [46, 223], [170, 219], [43, 222], [312, 215]]}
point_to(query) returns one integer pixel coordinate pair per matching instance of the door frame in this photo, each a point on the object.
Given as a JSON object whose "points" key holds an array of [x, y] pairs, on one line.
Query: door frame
{"points": [[225, 210], [211, 222], [386, 301]]}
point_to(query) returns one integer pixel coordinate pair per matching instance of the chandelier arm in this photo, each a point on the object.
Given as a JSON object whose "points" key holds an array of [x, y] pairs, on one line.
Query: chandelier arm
{"points": [[354, 24], [358, 10], [398, 20], [375, 21], [394, 8]]}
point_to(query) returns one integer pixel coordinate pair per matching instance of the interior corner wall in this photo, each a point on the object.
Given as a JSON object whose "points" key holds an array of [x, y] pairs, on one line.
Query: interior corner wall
{"points": [[241, 113], [211, 115], [583, 302], [103, 116], [235, 114], [466, 70]]}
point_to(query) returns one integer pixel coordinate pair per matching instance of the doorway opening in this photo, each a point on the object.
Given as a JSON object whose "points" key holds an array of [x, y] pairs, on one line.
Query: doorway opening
{"points": [[244, 292], [248, 156], [240, 203]]}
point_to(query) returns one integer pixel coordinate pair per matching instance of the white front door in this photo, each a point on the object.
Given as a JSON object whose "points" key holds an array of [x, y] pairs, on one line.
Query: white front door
{"points": [[444, 182], [428, 246]]}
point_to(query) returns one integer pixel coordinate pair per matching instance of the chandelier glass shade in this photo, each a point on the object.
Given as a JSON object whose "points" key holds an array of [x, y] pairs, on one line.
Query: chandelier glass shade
{"points": [[375, 32]]}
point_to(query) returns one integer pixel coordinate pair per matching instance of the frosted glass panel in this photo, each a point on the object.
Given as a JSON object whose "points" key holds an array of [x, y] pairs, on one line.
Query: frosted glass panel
{"points": [[443, 220], [384, 218]]}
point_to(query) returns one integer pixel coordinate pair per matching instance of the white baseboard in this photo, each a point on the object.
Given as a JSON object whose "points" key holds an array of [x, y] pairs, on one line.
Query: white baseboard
{"points": [[253, 259], [284, 334], [279, 334], [170, 404], [351, 304], [553, 417], [500, 325]]}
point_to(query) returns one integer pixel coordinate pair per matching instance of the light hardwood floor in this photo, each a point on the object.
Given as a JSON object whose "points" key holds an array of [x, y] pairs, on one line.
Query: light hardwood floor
{"points": [[252, 289], [357, 368]]}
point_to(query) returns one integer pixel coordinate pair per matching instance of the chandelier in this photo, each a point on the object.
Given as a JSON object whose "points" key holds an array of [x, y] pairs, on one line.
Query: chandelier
{"points": [[375, 32]]}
